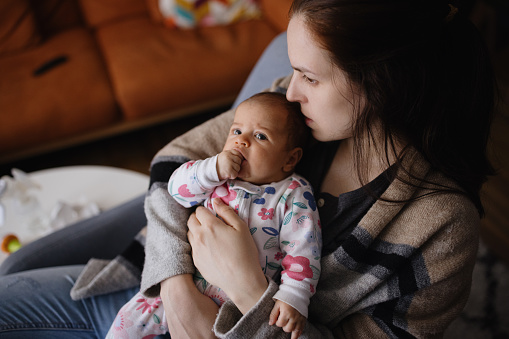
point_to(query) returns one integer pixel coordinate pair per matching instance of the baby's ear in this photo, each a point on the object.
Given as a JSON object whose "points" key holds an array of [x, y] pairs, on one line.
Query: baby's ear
{"points": [[294, 157]]}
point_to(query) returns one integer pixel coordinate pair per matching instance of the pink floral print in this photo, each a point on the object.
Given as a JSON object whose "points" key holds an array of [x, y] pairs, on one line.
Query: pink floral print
{"points": [[294, 185], [278, 256], [224, 193], [184, 192], [189, 164], [121, 323], [297, 268], [266, 213], [148, 304]]}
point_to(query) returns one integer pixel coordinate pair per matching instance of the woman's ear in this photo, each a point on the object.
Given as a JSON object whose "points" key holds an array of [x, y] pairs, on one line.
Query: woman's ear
{"points": [[294, 157]]}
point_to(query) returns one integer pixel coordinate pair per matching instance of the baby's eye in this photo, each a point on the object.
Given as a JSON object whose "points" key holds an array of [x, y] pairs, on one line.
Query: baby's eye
{"points": [[237, 131], [260, 136]]}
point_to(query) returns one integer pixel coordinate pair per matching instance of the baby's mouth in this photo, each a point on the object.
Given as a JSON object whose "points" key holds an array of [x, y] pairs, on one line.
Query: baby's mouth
{"points": [[241, 153]]}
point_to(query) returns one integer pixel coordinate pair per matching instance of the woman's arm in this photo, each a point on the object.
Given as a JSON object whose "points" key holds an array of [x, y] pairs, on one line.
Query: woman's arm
{"points": [[181, 299], [226, 255]]}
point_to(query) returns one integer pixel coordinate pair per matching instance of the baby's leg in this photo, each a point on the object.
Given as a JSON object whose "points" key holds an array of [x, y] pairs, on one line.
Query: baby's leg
{"points": [[138, 318]]}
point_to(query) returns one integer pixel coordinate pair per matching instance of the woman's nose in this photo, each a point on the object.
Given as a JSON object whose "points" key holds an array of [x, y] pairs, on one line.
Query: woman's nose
{"points": [[292, 92]]}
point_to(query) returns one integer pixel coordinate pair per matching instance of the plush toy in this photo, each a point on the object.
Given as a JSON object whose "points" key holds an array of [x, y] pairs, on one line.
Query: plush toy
{"points": [[10, 244]]}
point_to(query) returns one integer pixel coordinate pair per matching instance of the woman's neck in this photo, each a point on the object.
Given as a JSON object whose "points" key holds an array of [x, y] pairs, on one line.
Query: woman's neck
{"points": [[342, 175]]}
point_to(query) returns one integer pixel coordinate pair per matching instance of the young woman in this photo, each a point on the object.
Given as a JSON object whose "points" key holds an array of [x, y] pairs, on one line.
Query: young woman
{"points": [[399, 95]]}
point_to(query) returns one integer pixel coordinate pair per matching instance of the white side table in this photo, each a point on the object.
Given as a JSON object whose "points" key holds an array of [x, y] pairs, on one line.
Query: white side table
{"points": [[105, 186]]}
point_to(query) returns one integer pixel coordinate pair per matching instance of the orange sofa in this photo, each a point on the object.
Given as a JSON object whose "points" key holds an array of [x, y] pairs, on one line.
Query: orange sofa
{"points": [[76, 70]]}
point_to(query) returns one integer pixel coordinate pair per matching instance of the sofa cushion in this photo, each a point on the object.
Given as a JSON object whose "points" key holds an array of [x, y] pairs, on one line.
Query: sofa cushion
{"points": [[18, 29], [73, 97], [153, 10], [195, 13], [54, 16], [100, 12], [276, 12], [155, 69]]}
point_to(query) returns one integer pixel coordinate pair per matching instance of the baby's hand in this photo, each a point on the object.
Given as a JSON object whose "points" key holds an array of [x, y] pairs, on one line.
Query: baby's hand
{"points": [[228, 164], [287, 317]]}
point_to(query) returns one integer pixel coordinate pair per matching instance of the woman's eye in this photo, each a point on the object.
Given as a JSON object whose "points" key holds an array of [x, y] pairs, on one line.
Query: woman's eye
{"points": [[236, 132], [260, 136], [309, 80]]}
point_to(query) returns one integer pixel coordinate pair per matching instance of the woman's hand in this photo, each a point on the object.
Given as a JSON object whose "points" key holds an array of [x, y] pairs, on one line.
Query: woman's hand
{"points": [[226, 255]]}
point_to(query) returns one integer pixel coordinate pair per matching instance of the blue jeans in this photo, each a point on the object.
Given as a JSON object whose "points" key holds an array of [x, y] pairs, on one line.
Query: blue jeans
{"points": [[35, 281], [36, 304]]}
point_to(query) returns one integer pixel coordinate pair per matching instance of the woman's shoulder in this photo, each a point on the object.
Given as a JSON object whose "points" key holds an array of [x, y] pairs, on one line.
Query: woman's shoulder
{"points": [[438, 196], [420, 213], [419, 203]]}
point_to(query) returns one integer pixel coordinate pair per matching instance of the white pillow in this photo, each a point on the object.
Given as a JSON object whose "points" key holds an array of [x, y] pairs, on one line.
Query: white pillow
{"points": [[194, 13]]}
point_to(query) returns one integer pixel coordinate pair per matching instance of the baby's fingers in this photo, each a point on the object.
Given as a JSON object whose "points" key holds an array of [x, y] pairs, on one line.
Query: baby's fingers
{"points": [[237, 157], [296, 334], [296, 326], [274, 315], [236, 169]]}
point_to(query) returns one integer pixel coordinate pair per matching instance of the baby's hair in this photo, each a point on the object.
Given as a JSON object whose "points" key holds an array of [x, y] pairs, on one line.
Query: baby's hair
{"points": [[298, 132]]}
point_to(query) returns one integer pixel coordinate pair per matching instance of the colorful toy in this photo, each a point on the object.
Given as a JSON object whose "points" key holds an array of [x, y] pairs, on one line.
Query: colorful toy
{"points": [[10, 244]]}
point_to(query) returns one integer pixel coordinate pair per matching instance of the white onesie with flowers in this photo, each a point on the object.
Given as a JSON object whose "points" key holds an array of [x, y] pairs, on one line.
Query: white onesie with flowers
{"points": [[283, 220]]}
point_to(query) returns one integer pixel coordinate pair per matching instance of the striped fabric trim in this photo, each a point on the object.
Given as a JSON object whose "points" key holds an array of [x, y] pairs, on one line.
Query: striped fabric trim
{"points": [[163, 167], [401, 266]]}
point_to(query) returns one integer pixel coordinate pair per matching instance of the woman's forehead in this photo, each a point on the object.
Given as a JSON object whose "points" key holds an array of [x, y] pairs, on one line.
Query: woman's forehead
{"points": [[304, 51]]}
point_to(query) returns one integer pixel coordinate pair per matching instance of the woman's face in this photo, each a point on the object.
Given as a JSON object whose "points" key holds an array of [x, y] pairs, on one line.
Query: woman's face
{"points": [[321, 88]]}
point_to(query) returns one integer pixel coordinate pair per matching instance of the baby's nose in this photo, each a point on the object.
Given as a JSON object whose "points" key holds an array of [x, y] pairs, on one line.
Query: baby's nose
{"points": [[242, 142]]}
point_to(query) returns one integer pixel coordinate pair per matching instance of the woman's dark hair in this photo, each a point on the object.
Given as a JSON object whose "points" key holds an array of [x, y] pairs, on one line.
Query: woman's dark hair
{"points": [[425, 75]]}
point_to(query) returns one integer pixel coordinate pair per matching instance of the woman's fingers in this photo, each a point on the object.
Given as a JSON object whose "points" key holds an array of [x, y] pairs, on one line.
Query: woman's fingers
{"points": [[192, 222], [225, 254], [202, 217], [226, 213]]}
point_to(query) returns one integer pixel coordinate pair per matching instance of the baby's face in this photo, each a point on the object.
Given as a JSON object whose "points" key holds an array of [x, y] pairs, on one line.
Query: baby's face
{"points": [[259, 133]]}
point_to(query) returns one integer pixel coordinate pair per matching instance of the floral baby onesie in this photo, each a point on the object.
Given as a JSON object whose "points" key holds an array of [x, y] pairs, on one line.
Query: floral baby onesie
{"points": [[283, 220]]}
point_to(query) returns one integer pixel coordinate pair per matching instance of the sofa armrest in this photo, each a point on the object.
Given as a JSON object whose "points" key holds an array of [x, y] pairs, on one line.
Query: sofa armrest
{"points": [[276, 12], [18, 27]]}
